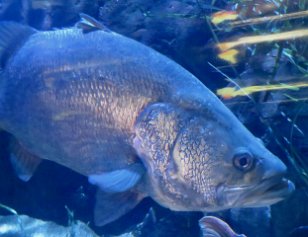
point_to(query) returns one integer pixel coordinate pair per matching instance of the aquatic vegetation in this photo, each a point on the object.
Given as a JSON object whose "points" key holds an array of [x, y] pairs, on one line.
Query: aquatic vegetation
{"points": [[222, 16], [230, 55], [231, 92], [294, 34], [229, 19], [267, 19], [266, 27]]}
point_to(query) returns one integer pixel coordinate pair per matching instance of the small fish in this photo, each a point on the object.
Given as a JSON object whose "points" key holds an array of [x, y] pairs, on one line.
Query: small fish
{"points": [[131, 120], [222, 16], [231, 92], [212, 226], [229, 56]]}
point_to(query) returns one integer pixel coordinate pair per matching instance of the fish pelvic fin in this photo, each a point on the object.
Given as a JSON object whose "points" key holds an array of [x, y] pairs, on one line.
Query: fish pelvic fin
{"points": [[111, 206], [24, 163], [88, 24], [12, 37]]}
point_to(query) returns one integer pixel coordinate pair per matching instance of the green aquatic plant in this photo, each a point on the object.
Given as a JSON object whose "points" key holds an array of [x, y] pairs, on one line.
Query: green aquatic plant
{"points": [[261, 23]]}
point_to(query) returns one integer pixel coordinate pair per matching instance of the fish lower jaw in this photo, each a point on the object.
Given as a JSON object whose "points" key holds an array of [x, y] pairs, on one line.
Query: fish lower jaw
{"points": [[266, 193], [273, 194]]}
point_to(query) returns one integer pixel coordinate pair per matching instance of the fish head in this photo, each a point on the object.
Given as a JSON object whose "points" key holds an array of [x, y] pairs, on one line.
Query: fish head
{"points": [[206, 161], [222, 165]]}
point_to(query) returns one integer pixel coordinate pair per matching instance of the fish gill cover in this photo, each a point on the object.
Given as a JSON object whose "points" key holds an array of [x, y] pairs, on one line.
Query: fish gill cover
{"points": [[253, 54]]}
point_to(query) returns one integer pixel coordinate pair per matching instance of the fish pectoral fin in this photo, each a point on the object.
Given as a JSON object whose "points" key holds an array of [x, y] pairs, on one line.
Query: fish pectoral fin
{"points": [[111, 206], [24, 163], [89, 24], [118, 180]]}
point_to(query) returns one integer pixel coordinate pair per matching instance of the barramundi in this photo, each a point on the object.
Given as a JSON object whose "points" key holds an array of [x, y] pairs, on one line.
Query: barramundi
{"points": [[134, 122]]}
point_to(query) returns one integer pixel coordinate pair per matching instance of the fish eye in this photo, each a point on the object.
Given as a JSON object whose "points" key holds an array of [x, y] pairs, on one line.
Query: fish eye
{"points": [[243, 161]]}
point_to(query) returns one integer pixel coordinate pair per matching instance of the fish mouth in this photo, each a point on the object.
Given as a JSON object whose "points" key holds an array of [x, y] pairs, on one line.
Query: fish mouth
{"points": [[267, 192]]}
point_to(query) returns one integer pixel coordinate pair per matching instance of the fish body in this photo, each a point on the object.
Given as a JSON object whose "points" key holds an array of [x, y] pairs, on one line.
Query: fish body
{"points": [[80, 101], [133, 121]]}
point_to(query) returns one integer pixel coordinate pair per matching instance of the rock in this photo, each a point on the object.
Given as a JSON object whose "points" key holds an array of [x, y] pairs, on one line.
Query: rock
{"points": [[22, 225]]}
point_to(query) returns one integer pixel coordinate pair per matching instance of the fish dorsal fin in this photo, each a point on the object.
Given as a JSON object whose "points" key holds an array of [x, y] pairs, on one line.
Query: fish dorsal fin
{"points": [[24, 163], [12, 37], [89, 24]]}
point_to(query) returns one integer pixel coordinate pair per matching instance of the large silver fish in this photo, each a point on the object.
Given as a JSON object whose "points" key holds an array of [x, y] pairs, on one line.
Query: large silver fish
{"points": [[133, 121]]}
